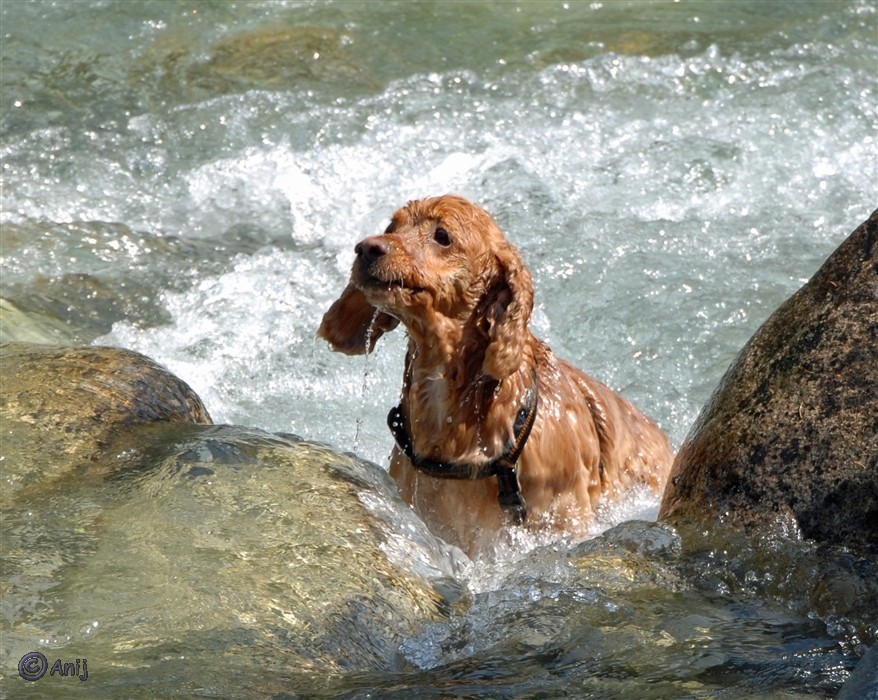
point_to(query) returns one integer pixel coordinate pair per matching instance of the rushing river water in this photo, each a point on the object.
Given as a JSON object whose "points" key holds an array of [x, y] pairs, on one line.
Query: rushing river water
{"points": [[188, 179]]}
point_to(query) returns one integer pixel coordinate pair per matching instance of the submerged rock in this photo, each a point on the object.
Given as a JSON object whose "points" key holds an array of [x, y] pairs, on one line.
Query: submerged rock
{"points": [[186, 62], [30, 326], [790, 437], [227, 557], [627, 614], [69, 283], [74, 309]]}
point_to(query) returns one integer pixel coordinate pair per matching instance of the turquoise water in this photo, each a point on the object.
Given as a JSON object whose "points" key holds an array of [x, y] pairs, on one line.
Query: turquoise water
{"points": [[189, 180]]}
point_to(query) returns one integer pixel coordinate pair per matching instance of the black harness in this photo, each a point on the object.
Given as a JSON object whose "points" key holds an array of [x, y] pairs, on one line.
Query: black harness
{"points": [[503, 467]]}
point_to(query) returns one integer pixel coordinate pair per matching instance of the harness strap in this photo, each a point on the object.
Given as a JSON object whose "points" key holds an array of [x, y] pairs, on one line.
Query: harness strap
{"points": [[503, 467]]}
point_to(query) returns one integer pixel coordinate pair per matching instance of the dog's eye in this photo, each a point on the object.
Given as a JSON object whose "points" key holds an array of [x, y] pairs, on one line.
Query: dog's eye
{"points": [[440, 235]]}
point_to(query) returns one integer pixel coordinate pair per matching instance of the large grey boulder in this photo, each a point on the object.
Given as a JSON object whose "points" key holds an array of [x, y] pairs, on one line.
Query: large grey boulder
{"points": [[790, 437]]}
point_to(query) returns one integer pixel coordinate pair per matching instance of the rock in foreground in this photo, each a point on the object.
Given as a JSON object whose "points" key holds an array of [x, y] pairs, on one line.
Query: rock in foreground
{"points": [[790, 437], [216, 557]]}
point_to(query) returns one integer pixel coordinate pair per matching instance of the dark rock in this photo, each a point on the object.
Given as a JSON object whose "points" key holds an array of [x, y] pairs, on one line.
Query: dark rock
{"points": [[863, 683], [790, 436]]}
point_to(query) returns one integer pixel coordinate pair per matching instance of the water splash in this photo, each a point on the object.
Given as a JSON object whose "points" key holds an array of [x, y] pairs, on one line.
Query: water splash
{"points": [[364, 389]]}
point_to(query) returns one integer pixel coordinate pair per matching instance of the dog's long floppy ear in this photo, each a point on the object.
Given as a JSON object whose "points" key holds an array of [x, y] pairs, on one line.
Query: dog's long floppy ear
{"points": [[351, 320], [507, 314]]}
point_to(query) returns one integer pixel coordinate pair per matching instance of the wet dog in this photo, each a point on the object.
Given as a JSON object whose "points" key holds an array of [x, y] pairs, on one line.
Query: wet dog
{"points": [[492, 427]]}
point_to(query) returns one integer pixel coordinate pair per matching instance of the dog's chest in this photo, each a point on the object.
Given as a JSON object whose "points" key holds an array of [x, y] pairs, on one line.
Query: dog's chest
{"points": [[447, 424], [431, 410]]}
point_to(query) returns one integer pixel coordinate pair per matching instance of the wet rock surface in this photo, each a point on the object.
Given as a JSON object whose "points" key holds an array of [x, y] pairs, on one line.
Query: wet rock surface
{"points": [[789, 440], [134, 532], [65, 409], [217, 552], [863, 683]]}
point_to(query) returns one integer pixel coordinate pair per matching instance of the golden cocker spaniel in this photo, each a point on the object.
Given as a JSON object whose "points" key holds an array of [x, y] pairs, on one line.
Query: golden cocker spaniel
{"points": [[492, 427]]}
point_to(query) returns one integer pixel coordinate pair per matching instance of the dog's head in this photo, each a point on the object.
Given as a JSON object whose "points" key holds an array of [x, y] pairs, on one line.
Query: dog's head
{"points": [[441, 266]]}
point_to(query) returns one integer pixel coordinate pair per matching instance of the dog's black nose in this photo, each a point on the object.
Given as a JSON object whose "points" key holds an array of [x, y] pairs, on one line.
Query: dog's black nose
{"points": [[372, 248]]}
